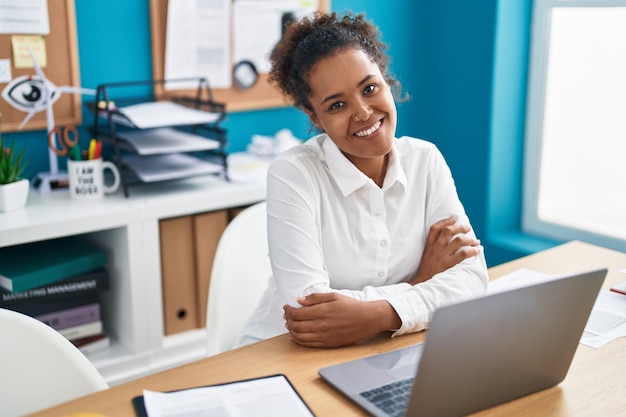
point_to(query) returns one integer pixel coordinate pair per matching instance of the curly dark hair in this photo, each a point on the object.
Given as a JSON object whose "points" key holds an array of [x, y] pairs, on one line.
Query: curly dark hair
{"points": [[310, 39]]}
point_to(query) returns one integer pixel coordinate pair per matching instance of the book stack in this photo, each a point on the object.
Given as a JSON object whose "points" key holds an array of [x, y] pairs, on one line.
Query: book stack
{"points": [[58, 282]]}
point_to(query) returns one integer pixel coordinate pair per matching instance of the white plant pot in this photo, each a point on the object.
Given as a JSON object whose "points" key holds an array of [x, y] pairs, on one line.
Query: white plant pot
{"points": [[13, 196]]}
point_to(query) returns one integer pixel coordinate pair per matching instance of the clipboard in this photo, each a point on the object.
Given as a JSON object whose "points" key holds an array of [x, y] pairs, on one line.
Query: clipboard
{"points": [[140, 408]]}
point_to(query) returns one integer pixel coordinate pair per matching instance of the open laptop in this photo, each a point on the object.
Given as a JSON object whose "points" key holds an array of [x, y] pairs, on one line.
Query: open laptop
{"points": [[478, 353]]}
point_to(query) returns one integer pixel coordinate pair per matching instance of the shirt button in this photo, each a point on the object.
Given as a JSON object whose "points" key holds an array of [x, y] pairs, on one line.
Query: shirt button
{"points": [[381, 274], [383, 243], [378, 213]]}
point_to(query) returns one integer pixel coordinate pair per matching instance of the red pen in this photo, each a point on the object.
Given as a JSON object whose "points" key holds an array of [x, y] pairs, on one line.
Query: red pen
{"points": [[98, 151], [619, 288]]}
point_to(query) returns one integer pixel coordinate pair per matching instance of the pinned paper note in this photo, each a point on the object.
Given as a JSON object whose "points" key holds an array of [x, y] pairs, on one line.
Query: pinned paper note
{"points": [[37, 45], [5, 70], [25, 17]]}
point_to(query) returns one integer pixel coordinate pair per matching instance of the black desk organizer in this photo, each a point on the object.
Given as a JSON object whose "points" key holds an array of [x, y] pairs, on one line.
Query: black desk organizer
{"points": [[183, 151]]}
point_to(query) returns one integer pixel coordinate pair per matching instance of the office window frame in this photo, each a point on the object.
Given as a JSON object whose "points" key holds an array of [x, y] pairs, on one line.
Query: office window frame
{"points": [[533, 222]]}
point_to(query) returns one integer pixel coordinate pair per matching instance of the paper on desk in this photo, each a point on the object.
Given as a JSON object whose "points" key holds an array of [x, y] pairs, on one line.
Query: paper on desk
{"points": [[166, 113], [520, 278], [272, 397], [247, 168], [607, 320]]}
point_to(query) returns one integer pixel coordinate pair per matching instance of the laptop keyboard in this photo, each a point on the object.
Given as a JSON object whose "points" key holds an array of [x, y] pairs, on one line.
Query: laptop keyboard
{"points": [[391, 398]]}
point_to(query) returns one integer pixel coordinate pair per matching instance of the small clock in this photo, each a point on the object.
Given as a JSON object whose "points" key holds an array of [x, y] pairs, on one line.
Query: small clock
{"points": [[245, 74]]}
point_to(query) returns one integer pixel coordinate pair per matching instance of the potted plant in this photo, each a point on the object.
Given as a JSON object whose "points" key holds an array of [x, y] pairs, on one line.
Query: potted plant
{"points": [[13, 188]]}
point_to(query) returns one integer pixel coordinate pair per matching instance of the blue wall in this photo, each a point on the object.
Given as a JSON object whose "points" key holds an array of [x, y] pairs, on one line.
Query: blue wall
{"points": [[443, 53], [127, 52]]}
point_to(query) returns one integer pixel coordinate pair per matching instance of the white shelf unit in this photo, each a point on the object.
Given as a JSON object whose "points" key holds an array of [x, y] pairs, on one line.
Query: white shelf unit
{"points": [[128, 229]]}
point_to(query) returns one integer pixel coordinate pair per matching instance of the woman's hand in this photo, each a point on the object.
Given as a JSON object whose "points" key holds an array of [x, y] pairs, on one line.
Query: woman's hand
{"points": [[442, 251], [330, 319]]}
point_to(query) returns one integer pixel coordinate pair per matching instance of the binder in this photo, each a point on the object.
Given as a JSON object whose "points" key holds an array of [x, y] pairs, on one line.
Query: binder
{"points": [[281, 390], [188, 246], [208, 229], [178, 275]]}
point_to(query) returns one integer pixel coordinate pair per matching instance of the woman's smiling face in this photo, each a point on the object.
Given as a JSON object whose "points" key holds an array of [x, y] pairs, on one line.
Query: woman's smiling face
{"points": [[353, 104]]}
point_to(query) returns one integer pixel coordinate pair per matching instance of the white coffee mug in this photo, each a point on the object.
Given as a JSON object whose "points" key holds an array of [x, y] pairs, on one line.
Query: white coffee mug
{"points": [[86, 178]]}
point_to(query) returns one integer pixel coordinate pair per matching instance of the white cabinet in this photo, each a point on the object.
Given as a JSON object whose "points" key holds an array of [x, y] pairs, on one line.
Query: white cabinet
{"points": [[128, 229]]}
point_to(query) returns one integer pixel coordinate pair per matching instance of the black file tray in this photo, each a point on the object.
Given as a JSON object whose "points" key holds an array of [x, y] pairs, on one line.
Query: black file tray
{"points": [[159, 138]]}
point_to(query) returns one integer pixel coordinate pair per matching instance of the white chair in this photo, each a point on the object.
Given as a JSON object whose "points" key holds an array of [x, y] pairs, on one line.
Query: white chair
{"points": [[241, 271], [39, 368]]}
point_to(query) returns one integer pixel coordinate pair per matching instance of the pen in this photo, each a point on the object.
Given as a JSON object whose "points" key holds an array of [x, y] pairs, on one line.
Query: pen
{"points": [[75, 153], [619, 288], [618, 291], [92, 148], [98, 151]]}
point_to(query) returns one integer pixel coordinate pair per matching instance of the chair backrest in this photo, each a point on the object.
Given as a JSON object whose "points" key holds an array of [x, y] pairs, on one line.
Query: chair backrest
{"points": [[39, 368], [241, 272]]}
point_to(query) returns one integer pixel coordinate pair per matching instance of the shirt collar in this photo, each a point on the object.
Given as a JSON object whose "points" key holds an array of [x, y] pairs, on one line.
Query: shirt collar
{"points": [[349, 178]]}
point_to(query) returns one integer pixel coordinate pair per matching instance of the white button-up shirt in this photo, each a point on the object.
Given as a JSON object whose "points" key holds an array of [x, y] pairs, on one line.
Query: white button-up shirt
{"points": [[331, 228]]}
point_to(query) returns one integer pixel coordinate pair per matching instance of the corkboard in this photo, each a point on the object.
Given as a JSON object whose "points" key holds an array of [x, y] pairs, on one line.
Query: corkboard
{"points": [[61, 69], [260, 96]]}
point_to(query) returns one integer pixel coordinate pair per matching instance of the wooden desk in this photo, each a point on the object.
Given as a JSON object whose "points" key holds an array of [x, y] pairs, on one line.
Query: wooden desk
{"points": [[595, 385]]}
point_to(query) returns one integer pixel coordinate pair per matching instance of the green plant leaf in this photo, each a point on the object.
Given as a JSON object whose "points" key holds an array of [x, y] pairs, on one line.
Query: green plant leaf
{"points": [[12, 166]]}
